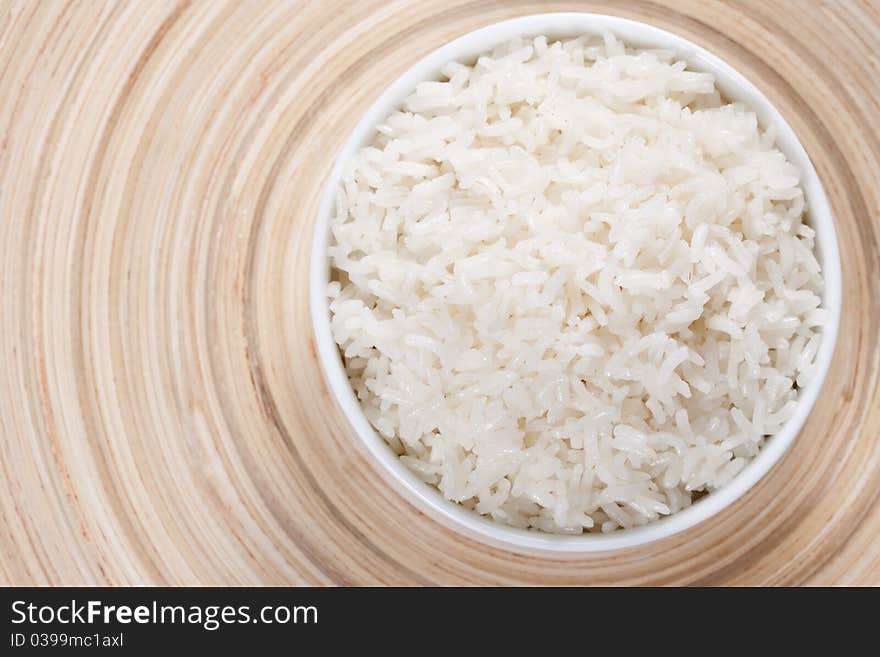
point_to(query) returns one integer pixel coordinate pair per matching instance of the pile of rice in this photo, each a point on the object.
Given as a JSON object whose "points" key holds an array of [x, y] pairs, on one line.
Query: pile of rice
{"points": [[573, 288]]}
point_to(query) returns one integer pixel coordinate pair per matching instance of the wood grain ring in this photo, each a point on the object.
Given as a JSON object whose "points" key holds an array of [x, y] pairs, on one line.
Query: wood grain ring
{"points": [[162, 415]]}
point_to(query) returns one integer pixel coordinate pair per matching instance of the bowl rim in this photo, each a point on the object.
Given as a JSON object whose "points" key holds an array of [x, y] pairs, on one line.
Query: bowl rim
{"points": [[735, 87]]}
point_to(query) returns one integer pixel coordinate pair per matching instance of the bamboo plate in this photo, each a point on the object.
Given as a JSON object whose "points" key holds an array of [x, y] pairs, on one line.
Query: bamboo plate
{"points": [[162, 415]]}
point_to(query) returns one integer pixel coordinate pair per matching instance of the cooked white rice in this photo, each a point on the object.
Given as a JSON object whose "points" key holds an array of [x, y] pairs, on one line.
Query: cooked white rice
{"points": [[573, 288]]}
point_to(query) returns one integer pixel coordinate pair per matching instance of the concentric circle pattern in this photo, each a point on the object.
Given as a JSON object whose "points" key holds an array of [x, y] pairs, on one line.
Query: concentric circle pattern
{"points": [[163, 419]]}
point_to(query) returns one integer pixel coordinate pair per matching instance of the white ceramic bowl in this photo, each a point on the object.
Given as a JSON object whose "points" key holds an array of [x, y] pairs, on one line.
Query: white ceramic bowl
{"points": [[734, 87]]}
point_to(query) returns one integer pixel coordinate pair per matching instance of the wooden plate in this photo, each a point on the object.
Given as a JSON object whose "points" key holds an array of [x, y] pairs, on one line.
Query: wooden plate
{"points": [[162, 416]]}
